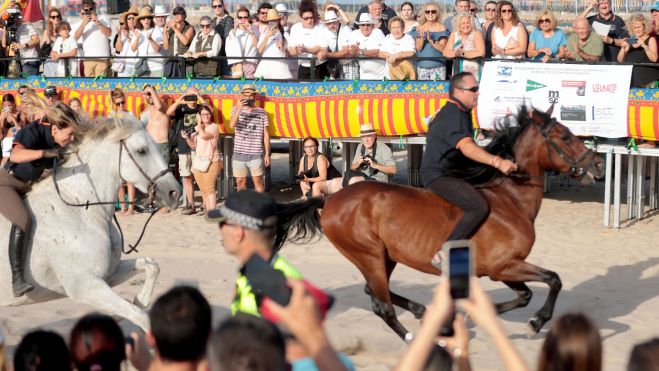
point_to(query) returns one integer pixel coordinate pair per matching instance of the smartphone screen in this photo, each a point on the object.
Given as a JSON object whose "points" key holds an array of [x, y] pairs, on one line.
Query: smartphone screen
{"points": [[459, 271]]}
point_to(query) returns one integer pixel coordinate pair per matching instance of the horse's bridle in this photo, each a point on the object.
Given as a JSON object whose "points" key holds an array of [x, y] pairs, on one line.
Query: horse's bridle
{"points": [[575, 169], [152, 181]]}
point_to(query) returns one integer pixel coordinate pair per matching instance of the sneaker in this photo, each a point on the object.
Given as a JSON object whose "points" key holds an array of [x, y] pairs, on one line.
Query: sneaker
{"points": [[188, 211]]}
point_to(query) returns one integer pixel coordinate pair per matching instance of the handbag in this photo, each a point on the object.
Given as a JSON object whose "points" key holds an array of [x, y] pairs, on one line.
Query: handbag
{"points": [[118, 65], [142, 66], [44, 50], [201, 164], [237, 68]]}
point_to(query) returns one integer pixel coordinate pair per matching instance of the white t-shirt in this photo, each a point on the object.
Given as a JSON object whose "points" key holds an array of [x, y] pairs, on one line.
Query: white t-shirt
{"points": [[393, 46], [310, 38], [64, 46], [369, 69], [343, 37], [271, 48], [239, 44], [145, 49], [23, 35], [94, 42]]}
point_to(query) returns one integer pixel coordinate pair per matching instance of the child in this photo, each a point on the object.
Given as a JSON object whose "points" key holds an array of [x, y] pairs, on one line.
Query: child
{"points": [[65, 47]]}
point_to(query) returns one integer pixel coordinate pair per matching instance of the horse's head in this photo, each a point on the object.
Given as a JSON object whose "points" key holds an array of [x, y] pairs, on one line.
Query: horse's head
{"points": [[562, 151], [141, 164]]}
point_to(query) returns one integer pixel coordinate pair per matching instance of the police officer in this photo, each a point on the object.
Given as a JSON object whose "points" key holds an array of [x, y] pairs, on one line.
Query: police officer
{"points": [[248, 223], [32, 152], [449, 137]]}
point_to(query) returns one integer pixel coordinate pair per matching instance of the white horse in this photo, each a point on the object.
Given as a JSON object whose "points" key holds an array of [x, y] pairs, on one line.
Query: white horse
{"points": [[76, 251]]}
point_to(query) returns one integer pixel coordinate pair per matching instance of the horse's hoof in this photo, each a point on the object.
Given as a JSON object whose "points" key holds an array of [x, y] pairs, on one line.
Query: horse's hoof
{"points": [[533, 326]]}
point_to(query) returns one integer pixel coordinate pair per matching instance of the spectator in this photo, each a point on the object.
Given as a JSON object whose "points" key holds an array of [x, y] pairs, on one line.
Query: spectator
{"points": [[42, 351], [184, 113], [93, 32], [64, 48], [178, 37], [366, 42], [160, 19], [272, 44], [205, 45], [50, 34], [572, 343], [480, 309], [27, 44], [654, 12], [251, 151], [261, 25], [387, 13], [431, 38], [396, 48], [546, 41], [76, 105], [314, 167], [584, 45], [156, 121], [242, 43], [4, 51], [645, 356], [51, 95], [488, 26], [97, 343], [337, 34], [119, 109], [283, 13], [222, 24], [147, 8], [375, 10], [128, 42], [207, 163], [473, 10], [617, 28], [150, 43], [465, 44], [509, 37], [180, 328], [306, 41], [461, 6], [407, 14], [247, 340], [641, 50], [11, 121]]}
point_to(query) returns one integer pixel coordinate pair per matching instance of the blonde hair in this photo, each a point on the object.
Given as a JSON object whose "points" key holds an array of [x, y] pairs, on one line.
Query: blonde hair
{"points": [[458, 17], [423, 19], [641, 18], [116, 93], [59, 114], [548, 13]]}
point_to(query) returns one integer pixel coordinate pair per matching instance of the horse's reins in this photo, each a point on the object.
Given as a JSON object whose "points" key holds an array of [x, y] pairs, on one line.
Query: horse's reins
{"points": [[87, 204], [575, 169]]}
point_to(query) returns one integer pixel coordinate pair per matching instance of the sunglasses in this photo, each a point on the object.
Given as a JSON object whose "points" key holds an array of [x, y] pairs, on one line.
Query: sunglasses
{"points": [[473, 89], [120, 103], [431, 11], [179, 13], [243, 17], [473, 10], [506, 11], [130, 18], [87, 10], [544, 21], [218, 6], [263, 13], [310, 147], [307, 18], [205, 25], [56, 17], [491, 9]]}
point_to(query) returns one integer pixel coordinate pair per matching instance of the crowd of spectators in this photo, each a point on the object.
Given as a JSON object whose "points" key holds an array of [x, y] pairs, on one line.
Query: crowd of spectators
{"points": [[321, 41]]}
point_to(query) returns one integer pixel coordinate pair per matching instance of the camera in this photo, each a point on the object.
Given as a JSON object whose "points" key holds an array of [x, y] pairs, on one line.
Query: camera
{"points": [[304, 174], [190, 98], [190, 130], [364, 166], [14, 16]]}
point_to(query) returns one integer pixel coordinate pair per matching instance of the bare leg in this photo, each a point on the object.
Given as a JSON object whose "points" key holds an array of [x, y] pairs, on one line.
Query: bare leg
{"points": [[122, 200], [211, 201], [241, 183], [188, 186], [305, 187], [258, 183], [131, 199]]}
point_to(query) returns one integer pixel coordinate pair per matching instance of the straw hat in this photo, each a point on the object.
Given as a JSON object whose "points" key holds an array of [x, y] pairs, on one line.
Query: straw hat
{"points": [[248, 87], [366, 129], [402, 70], [273, 15], [144, 13], [365, 18], [160, 11], [133, 10]]}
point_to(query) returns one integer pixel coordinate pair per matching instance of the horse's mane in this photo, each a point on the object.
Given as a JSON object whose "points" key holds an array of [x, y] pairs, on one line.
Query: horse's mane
{"points": [[506, 133]]}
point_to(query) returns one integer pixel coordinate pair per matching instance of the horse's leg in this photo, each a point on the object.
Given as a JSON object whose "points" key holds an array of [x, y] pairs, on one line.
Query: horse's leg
{"points": [[524, 295], [129, 268], [94, 291], [418, 310], [526, 272]]}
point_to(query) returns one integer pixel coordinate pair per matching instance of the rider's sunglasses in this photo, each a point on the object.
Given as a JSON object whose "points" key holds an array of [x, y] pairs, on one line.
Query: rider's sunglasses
{"points": [[120, 103], [473, 89]]}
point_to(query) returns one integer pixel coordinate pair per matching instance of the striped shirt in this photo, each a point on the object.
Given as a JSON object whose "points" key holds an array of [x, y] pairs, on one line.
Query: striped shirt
{"points": [[249, 129]]}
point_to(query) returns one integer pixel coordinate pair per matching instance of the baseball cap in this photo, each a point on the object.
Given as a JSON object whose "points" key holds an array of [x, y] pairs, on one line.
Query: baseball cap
{"points": [[50, 91], [179, 10], [248, 208]]}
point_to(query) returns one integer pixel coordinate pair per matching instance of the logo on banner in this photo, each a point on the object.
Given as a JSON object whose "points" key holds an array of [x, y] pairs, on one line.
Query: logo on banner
{"points": [[534, 85], [605, 88], [573, 113], [580, 85], [553, 96], [504, 70], [601, 113], [504, 84]]}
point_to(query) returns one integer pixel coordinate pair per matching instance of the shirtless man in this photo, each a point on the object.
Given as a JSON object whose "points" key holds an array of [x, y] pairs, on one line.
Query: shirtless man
{"points": [[156, 122]]}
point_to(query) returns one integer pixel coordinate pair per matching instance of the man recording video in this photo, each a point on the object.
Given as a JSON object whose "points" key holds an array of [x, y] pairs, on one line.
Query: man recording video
{"points": [[93, 30], [23, 39]]}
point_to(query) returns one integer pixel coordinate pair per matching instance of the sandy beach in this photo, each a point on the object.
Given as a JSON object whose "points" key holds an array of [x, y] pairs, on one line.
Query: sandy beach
{"points": [[613, 275]]}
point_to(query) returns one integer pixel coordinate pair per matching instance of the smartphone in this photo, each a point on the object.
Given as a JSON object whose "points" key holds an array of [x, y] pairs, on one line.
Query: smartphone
{"points": [[632, 41], [460, 267], [266, 280]]}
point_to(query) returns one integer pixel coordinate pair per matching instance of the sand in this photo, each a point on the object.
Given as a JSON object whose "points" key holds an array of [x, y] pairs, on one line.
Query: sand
{"points": [[613, 275]]}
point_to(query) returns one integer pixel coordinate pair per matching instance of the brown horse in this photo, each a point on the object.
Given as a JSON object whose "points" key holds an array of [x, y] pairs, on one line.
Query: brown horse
{"points": [[377, 225]]}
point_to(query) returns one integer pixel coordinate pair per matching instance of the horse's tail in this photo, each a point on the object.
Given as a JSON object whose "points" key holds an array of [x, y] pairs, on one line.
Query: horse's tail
{"points": [[299, 221]]}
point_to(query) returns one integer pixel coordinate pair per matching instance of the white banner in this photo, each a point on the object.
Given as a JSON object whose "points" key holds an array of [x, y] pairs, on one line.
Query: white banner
{"points": [[588, 99]]}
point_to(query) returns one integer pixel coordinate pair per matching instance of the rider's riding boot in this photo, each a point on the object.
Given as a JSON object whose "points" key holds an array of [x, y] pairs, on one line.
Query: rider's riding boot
{"points": [[17, 247]]}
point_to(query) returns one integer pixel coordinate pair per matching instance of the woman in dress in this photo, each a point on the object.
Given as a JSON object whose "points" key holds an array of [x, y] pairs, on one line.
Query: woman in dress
{"points": [[272, 44], [465, 44], [509, 37], [430, 36], [547, 41], [50, 34]]}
